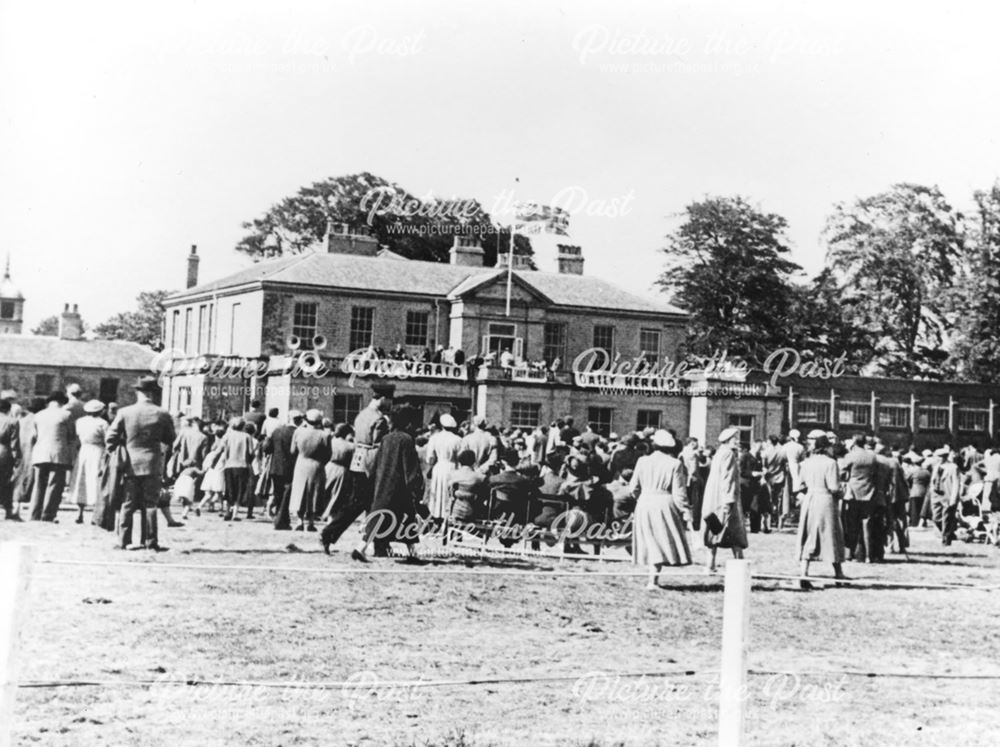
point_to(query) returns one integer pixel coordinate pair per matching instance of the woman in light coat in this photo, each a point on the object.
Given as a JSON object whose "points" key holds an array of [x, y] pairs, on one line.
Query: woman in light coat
{"points": [[820, 533], [721, 510], [311, 449], [659, 485], [90, 430], [442, 456]]}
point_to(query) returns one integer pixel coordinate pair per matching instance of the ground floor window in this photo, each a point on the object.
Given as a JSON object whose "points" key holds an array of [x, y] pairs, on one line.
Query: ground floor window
{"points": [[525, 414], [44, 384], [745, 425], [109, 390], [813, 411], [647, 419], [601, 418], [973, 420], [855, 413], [346, 408], [894, 416], [933, 418]]}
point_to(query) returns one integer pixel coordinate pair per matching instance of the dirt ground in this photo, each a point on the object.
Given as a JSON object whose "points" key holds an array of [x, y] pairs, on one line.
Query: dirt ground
{"points": [[280, 627]]}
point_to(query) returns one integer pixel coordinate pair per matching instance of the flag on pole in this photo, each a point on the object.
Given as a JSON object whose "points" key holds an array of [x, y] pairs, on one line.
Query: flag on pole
{"points": [[535, 218]]}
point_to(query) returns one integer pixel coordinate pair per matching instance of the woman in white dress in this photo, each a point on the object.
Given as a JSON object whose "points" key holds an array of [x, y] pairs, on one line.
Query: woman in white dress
{"points": [[91, 430], [659, 485], [442, 455]]}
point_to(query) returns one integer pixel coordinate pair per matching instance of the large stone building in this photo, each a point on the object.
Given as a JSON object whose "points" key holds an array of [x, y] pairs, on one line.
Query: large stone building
{"points": [[291, 332], [36, 365]]}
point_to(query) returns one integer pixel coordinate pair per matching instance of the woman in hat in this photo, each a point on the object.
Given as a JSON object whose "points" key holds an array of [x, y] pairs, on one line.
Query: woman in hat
{"points": [[659, 485], [721, 509], [820, 533], [442, 456], [337, 469], [311, 449], [91, 430]]}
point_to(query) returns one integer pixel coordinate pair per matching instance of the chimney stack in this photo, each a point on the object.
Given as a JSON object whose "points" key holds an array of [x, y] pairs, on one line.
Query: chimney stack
{"points": [[342, 239], [466, 252], [70, 324], [193, 259], [521, 261], [570, 259]]}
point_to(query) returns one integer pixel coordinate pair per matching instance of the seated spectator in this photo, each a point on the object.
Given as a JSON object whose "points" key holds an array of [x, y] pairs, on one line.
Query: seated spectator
{"points": [[469, 489]]}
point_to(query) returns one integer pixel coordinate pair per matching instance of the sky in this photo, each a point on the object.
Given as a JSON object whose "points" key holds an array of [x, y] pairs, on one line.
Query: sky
{"points": [[130, 131]]}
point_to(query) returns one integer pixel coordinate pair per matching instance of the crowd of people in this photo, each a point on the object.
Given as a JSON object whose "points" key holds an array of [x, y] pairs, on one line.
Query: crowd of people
{"points": [[852, 500]]}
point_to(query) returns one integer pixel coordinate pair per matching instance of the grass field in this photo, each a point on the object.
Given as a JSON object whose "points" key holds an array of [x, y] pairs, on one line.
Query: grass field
{"points": [[281, 626]]}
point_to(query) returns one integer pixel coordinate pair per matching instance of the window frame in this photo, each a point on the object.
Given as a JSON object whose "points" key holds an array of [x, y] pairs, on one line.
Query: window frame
{"points": [[528, 422], [888, 410], [355, 329], [302, 311], [558, 347], [610, 348], [652, 357], [412, 323], [593, 416], [639, 425]]}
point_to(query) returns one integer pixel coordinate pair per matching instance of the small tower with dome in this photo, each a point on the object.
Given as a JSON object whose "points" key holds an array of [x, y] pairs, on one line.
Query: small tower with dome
{"points": [[11, 305]]}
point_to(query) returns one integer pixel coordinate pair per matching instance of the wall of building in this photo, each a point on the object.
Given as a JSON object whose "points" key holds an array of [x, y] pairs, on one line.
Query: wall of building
{"points": [[231, 325], [31, 381]]}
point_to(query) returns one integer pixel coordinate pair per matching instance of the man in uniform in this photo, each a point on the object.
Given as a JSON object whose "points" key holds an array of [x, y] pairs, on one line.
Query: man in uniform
{"points": [[370, 427]]}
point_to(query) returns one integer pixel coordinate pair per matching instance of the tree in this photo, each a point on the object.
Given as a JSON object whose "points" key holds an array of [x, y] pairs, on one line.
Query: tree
{"points": [[728, 268], [142, 325], [48, 327], [414, 228], [895, 255], [976, 353]]}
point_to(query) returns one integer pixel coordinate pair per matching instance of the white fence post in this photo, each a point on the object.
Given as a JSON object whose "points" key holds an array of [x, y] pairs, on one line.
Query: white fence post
{"points": [[16, 560], [733, 674]]}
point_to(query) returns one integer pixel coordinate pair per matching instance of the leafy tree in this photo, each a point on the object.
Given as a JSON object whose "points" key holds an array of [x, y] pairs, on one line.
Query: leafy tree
{"points": [[895, 256], [414, 228], [976, 353], [48, 327], [142, 325], [728, 268]]}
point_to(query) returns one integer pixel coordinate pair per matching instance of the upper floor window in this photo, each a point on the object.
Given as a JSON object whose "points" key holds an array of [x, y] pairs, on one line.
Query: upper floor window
{"points": [[649, 345], [604, 338], [417, 323], [554, 344], [362, 327], [304, 322]]}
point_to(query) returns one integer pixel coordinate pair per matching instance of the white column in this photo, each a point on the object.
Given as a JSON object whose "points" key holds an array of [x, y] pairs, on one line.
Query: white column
{"points": [[16, 560], [733, 675]]}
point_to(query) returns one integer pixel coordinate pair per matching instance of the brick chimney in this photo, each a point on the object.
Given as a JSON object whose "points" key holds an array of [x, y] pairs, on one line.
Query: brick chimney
{"points": [[466, 252], [70, 324], [193, 259], [343, 239], [569, 259], [521, 261]]}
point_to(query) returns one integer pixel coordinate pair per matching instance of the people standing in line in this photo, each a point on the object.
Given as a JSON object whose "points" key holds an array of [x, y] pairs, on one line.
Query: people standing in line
{"points": [[146, 431], [311, 449], [397, 489], [51, 456], [10, 456], [370, 427], [238, 455], [281, 466], [659, 487], [820, 532], [722, 510], [91, 431], [443, 449]]}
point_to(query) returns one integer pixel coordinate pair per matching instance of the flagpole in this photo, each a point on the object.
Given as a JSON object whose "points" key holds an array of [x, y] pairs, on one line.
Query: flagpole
{"points": [[510, 267]]}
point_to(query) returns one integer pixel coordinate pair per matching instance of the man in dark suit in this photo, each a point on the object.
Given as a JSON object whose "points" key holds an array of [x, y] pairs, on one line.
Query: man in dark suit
{"points": [[279, 446], [53, 438], [144, 429], [862, 539]]}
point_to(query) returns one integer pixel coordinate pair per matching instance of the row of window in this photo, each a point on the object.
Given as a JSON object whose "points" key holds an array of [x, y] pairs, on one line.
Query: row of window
{"points": [[45, 384], [196, 338], [858, 414], [501, 336], [528, 415]]}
